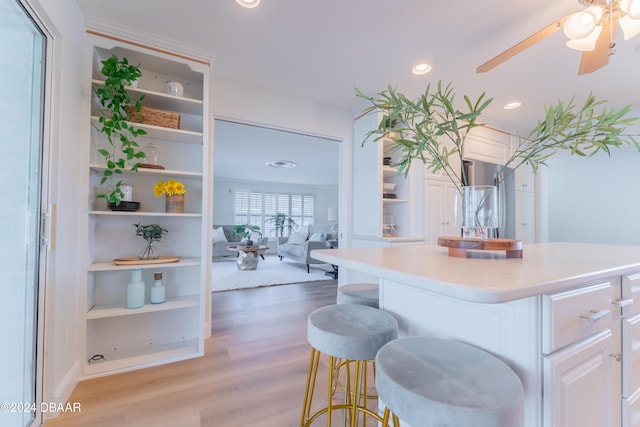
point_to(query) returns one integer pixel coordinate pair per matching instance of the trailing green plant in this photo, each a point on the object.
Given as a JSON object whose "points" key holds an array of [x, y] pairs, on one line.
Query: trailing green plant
{"points": [[121, 135], [281, 221], [432, 129]]}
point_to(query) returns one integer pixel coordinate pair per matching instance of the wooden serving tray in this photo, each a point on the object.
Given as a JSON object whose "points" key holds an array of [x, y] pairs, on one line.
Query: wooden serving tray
{"points": [[134, 260], [459, 246]]}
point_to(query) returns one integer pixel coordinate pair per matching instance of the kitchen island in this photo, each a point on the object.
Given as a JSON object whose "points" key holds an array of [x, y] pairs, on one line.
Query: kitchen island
{"points": [[563, 317]]}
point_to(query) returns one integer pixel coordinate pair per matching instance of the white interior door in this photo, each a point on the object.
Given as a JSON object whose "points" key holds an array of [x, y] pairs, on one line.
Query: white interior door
{"points": [[22, 62]]}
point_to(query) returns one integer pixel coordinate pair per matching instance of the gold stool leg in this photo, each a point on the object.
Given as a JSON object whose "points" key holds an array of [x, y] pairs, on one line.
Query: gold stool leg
{"points": [[314, 360]]}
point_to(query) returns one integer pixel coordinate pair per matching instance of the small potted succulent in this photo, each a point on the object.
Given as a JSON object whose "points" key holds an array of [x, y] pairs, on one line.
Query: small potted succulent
{"points": [[150, 233]]}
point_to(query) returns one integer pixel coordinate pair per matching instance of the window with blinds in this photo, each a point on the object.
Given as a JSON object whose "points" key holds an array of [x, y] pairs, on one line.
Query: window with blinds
{"points": [[255, 208]]}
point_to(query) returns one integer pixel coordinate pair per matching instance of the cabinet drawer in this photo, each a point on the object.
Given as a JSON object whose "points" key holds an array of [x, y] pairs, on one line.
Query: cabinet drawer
{"points": [[569, 316], [631, 294]]}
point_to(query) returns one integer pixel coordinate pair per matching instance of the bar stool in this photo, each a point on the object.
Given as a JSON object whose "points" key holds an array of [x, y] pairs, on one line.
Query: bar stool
{"points": [[428, 381], [350, 332], [359, 293]]}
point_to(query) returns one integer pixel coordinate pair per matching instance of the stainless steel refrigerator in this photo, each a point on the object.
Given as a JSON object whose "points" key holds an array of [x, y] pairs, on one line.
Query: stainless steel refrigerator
{"points": [[483, 173]]}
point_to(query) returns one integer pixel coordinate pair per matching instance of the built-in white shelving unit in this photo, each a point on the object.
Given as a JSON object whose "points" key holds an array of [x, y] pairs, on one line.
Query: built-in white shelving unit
{"points": [[116, 339]]}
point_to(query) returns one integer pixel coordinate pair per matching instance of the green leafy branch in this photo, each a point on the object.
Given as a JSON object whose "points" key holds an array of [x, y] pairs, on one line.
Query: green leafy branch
{"points": [[431, 129]]}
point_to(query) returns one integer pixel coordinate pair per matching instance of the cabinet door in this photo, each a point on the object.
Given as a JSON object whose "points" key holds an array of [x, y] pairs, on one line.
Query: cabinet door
{"points": [[631, 410], [576, 383], [440, 210], [525, 212], [487, 145], [631, 358]]}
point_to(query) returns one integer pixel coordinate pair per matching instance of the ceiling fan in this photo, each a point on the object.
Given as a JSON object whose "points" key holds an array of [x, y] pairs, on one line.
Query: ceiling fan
{"points": [[591, 30]]}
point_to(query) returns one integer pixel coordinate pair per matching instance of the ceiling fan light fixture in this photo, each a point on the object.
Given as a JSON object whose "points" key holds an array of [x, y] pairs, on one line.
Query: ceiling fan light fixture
{"points": [[631, 8], [630, 22], [588, 43], [582, 24]]}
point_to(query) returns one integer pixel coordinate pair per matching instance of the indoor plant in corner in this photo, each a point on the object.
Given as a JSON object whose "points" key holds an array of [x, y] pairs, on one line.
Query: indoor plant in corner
{"points": [[120, 134], [432, 129], [280, 222]]}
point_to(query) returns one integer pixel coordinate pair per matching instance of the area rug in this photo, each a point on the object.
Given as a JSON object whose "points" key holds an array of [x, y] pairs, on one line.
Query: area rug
{"points": [[270, 271]]}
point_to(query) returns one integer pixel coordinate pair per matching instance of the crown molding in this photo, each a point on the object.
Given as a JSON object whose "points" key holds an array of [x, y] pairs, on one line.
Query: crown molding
{"points": [[154, 40]]}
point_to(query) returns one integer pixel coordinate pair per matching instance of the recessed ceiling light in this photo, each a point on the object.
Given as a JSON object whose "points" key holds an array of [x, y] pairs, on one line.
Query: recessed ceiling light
{"points": [[281, 164], [422, 68], [250, 4], [513, 105]]}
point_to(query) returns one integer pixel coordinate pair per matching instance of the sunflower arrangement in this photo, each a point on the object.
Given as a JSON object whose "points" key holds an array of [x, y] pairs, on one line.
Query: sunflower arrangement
{"points": [[170, 188]]}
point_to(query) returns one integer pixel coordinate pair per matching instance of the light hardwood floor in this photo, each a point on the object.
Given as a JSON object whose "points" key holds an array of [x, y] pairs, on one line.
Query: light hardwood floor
{"points": [[253, 373]]}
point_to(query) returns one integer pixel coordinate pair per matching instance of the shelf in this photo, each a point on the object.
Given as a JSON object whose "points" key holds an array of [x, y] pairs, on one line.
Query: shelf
{"points": [[144, 171], [158, 214], [110, 266], [143, 358], [161, 100], [389, 171], [394, 200], [159, 132], [102, 311]]}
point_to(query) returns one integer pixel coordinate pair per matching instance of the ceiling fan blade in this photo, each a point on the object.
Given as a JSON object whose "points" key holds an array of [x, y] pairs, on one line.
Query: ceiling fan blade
{"points": [[524, 44], [593, 60]]}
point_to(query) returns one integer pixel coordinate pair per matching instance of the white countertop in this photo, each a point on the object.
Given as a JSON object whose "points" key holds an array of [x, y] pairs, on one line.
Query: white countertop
{"points": [[490, 277]]}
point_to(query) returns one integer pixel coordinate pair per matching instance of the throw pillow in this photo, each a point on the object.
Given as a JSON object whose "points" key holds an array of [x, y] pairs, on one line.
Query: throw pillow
{"points": [[298, 238], [218, 235], [318, 237]]}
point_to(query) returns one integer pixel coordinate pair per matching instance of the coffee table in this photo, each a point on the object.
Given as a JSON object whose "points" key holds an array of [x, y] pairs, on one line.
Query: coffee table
{"points": [[247, 256]]}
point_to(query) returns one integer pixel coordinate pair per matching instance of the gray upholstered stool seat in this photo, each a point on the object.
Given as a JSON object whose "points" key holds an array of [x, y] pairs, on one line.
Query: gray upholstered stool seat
{"points": [[359, 293], [350, 332], [432, 381]]}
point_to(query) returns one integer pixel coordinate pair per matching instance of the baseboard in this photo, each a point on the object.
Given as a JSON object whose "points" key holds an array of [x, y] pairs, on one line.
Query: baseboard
{"points": [[64, 389]]}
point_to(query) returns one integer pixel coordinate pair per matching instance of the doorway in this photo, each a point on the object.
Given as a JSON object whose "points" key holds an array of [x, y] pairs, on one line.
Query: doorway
{"points": [[22, 67]]}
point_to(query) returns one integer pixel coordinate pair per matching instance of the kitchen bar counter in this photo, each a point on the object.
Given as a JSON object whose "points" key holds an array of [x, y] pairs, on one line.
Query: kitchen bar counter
{"points": [[489, 277], [565, 317]]}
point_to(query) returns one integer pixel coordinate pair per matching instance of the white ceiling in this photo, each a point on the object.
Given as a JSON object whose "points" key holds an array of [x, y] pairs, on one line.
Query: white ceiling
{"points": [[323, 49], [241, 152]]}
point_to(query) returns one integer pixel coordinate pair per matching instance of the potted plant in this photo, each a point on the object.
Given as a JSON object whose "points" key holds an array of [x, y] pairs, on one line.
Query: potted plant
{"points": [[121, 135], [150, 233], [280, 221], [432, 129], [247, 232]]}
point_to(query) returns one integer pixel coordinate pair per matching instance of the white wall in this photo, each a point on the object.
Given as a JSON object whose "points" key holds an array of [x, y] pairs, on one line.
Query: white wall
{"points": [[223, 203], [595, 199]]}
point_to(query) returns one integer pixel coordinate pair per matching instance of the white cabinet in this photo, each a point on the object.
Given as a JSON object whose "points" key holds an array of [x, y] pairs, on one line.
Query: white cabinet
{"points": [[115, 338], [525, 216], [581, 347], [439, 208], [374, 207], [577, 382], [524, 179], [630, 303], [487, 145]]}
